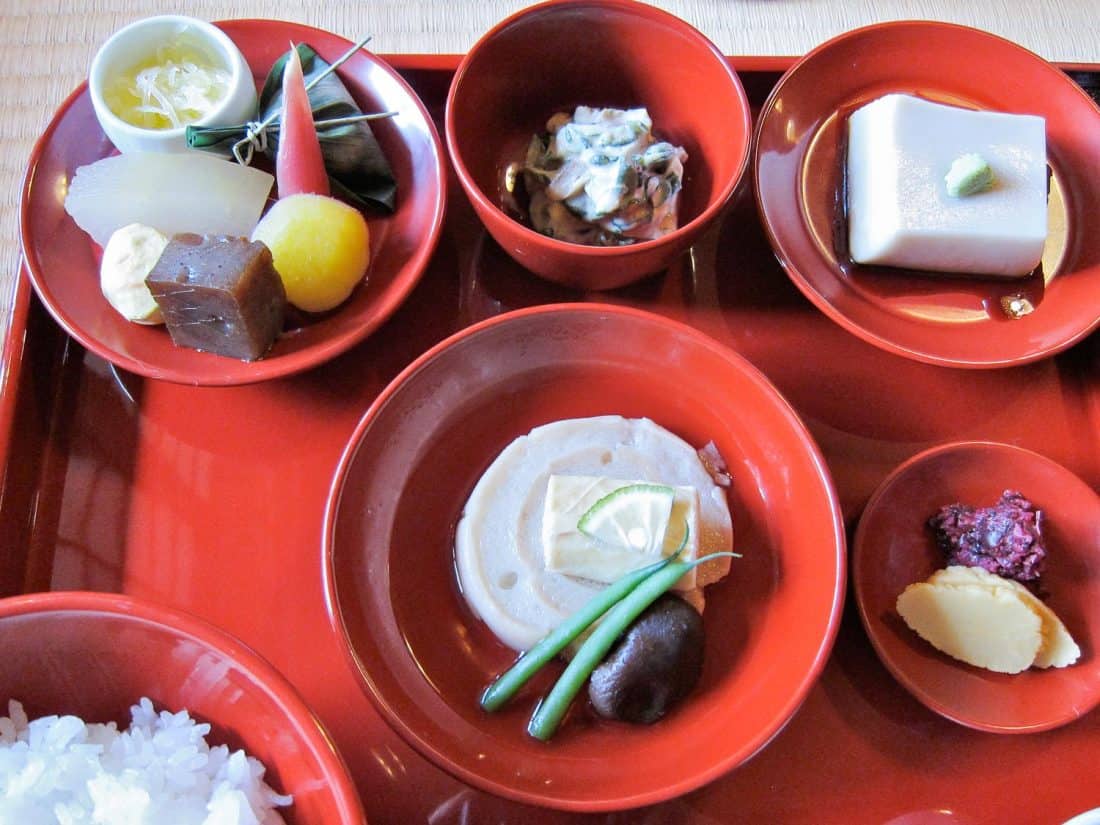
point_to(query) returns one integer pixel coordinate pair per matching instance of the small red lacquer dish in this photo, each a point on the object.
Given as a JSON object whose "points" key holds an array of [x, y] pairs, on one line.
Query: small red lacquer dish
{"points": [[556, 56], [63, 261], [938, 319], [893, 548]]}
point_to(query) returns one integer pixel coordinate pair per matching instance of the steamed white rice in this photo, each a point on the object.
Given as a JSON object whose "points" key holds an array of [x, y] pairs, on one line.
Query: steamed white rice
{"points": [[160, 771]]}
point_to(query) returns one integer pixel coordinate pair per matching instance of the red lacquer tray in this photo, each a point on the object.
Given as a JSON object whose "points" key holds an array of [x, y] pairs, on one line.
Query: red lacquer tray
{"points": [[211, 500]]}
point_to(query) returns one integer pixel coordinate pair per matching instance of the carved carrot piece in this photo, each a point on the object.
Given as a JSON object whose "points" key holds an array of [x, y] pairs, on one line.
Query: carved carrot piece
{"points": [[299, 166]]}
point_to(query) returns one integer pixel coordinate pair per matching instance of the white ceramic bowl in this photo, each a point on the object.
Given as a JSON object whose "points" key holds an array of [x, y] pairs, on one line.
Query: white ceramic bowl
{"points": [[134, 42]]}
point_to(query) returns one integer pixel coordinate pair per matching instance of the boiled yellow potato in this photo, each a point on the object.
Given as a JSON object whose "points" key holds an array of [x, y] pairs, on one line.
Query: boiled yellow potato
{"points": [[320, 247]]}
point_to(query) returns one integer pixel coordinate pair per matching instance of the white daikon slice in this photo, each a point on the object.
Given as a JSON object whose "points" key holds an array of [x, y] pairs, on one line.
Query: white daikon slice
{"points": [[172, 192]]}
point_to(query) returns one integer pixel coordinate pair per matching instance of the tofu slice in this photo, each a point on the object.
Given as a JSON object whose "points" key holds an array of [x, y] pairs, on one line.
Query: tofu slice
{"points": [[1058, 648], [568, 551], [900, 214]]}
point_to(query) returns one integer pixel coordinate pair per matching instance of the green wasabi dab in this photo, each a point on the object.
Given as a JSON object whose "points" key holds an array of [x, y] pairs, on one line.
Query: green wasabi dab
{"points": [[968, 175]]}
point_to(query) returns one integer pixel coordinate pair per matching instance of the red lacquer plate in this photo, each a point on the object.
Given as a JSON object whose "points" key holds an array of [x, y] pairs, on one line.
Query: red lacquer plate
{"points": [[937, 319], [893, 548], [422, 656], [64, 262]]}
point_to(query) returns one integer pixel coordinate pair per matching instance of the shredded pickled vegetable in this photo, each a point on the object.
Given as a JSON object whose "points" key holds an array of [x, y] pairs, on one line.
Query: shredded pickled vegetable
{"points": [[177, 86]]}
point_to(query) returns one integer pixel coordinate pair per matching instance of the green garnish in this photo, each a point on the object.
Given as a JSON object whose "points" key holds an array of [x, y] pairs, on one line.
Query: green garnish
{"points": [[634, 515], [552, 709], [968, 175], [357, 167], [509, 683]]}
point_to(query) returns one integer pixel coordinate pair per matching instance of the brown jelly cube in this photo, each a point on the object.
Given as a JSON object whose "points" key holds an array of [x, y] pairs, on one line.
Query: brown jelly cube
{"points": [[219, 294]]}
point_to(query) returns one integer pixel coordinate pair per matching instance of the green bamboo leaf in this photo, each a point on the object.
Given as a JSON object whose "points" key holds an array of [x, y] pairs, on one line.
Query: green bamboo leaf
{"points": [[357, 167]]}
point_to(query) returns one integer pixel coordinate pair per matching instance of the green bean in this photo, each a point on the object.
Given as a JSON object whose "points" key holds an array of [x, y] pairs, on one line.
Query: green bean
{"points": [[508, 683], [552, 708]]}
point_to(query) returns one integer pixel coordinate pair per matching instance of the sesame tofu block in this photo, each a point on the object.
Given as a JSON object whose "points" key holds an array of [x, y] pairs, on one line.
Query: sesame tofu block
{"points": [[900, 212]]}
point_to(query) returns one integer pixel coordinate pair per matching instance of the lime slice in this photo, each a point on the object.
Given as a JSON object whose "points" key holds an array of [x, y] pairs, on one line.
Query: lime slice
{"points": [[635, 517]]}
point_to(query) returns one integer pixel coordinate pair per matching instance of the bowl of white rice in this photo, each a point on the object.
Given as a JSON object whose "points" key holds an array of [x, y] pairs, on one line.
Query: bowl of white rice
{"points": [[117, 710]]}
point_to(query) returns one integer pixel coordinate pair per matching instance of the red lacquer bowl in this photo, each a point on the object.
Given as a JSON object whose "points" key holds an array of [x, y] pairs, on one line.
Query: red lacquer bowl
{"points": [[558, 55], [938, 319], [64, 262], [95, 654], [423, 657], [893, 548]]}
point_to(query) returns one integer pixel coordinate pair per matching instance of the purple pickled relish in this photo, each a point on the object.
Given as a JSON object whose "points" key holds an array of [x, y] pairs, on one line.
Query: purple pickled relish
{"points": [[1005, 539]]}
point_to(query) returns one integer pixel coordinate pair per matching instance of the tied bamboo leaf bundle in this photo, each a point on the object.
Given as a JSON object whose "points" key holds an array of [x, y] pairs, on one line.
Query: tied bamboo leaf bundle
{"points": [[357, 168]]}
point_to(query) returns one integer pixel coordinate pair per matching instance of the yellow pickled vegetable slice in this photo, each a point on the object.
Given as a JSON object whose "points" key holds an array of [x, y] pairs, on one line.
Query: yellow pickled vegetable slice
{"points": [[1058, 649], [982, 626], [320, 247]]}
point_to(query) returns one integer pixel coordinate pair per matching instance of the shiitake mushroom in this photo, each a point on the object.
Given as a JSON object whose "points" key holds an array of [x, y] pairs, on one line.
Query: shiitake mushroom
{"points": [[654, 665]]}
